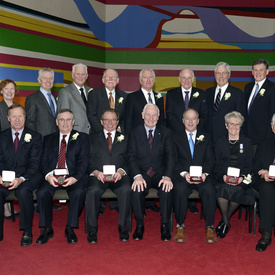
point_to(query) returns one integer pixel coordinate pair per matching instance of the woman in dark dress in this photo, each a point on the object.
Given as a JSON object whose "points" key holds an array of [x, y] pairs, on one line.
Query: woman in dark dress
{"points": [[233, 150]]}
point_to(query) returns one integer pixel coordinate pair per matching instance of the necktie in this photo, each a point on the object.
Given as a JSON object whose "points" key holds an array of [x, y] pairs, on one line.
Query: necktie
{"points": [[218, 100], [82, 95], [62, 154], [254, 96], [16, 141], [109, 141], [191, 144], [186, 99], [150, 139], [51, 103], [150, 98], [111, 101]]}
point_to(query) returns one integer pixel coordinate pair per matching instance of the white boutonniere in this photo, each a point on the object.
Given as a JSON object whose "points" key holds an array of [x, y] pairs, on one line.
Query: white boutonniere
{"points": [[247, 179], [227, 96], [262, 91], [158, 96], [27, 137], [120, 138], [74, 136], [196, 94], [120, 100], [200, 138], [90, 90]]}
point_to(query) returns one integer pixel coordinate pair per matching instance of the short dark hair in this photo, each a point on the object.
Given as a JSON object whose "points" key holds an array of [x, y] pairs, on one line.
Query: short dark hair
{"points": [[190, 109], [16, 105], [110, 111], [261, 61], [65, 111]]}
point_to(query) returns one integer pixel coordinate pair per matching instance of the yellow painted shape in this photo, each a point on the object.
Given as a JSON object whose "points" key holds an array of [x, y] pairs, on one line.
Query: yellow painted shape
{"points": [[165, 83]]}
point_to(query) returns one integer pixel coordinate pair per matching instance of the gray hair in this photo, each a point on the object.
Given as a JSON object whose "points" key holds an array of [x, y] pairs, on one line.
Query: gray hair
{"points": [[79, 65], [148, 105], [273, 120], [223, 64], [104, 73], [190, 109], [65, 111], [45, 70], [192, 72], [235, 115], [146, 69]]}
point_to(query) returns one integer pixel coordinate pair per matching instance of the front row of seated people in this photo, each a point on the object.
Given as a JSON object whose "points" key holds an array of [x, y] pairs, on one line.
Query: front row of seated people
{"points": [[151, 157]]}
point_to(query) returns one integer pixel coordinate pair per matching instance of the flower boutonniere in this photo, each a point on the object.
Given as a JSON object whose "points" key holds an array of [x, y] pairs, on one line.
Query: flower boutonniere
{"points": [[120, 138], [158, 96], [227, 96], [120, 100], [262, 92], [200, 138], [74, 136], [90, 90], [27, 137], [196, 94], [247, 179]]}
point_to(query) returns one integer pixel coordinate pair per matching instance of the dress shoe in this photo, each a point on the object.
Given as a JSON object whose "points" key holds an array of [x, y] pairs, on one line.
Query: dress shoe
{"points": [[46, 234], [263, 244], [224, 230], [154, 208], [180, 235], [70, 235], [1, 237], [10, 217], [56, 207], [165, 233], [210, 236], [219, 226], [138, 234], [26, 239], [123, 233], [92, 235], [101, 211], [194, 210]]}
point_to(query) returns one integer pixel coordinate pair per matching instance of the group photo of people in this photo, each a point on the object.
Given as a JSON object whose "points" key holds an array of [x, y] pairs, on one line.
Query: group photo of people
{"points": [[218, 141]]}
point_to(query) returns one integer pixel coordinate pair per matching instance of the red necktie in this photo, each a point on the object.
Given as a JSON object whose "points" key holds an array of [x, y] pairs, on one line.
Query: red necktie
{"points": [[109, 141], [62, 154], [16, 141]]}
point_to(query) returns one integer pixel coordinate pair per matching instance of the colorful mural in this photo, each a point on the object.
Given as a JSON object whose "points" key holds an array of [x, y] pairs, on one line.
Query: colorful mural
{"points": [[133, 36]]}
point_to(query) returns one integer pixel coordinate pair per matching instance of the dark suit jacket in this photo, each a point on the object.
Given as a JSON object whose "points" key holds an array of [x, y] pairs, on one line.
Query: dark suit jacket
{"points": [[4, 123], [135, 103], [26, 161], [100, 154], [215, 125], [257, 124], [98, 102], [39, 114], [222, 152], [162, 157], [70, 98], [175, 108], [203, 154], [77, 155]]}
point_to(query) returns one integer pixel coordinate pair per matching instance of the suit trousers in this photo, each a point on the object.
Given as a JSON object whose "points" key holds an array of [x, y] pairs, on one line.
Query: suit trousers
{"points": [[45, 193], [181, 191], [95, 189], [24, 194], [267, 206], [138, 200]]}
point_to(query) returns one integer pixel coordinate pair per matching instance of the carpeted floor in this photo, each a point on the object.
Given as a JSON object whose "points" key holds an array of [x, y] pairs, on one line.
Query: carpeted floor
{"points": [[235, 254]]}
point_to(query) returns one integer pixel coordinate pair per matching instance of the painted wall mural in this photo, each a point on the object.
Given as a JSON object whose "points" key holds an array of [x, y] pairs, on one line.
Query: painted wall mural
{"points": [[132, 36]]}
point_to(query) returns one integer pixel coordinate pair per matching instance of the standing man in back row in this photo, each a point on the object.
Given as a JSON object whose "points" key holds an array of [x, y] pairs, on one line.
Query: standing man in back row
{"points": [[74, 98]]}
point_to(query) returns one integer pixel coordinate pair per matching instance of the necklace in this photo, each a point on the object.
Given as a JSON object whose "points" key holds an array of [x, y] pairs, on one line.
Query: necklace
{"points": [[233, 142]]}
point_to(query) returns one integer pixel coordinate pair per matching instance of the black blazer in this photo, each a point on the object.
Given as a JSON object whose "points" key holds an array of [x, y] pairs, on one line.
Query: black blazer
{"points": [[257, 124], [203, 153], [215, 124], [222, 152], [175, 108], [135, 103], [98, 102], [100, 154], [77, 155], [26, 161], [162, 157]]}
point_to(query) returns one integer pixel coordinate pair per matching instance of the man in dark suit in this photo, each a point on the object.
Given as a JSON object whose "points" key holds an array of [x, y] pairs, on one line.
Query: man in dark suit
{"points": [[260, 103], [108, 147], [104, 98], [41, 106], [136, 101], [67, 150], [221, 100], [74, 98], [20, 151], [194, 149], [150, 158], [182, 98]]}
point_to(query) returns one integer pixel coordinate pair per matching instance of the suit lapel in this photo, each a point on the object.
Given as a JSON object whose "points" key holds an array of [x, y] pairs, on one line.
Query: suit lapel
{"points": [[144, 139], [10, 144], [156, 142], [77, 95], [45, 102]]}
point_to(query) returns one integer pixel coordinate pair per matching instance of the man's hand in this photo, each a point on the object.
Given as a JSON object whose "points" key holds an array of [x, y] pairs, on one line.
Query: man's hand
{"points": [[99, 175], [15, 183], [187, 177], [118, 176], [139, 184], [264, 174], [166, 183], [69, 181], [52, 180]]}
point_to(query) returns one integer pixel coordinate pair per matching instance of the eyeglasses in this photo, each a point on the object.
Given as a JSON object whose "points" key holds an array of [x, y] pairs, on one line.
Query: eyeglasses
{"points": [[234, 124], [111, 77], [110, 120], [65, 120]]}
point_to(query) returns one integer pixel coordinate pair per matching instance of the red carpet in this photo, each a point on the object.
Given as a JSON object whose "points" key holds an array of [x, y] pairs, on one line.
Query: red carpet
{"points": [[235, 254]]}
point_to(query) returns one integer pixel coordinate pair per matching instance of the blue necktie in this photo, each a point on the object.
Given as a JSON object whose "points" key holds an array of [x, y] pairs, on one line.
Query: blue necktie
{"points": [[253, 98], [51, 103], [191, 144], [150, 98]]}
